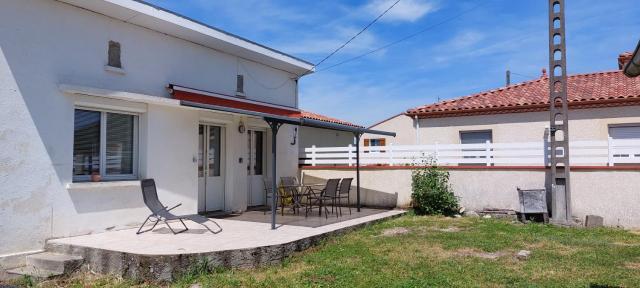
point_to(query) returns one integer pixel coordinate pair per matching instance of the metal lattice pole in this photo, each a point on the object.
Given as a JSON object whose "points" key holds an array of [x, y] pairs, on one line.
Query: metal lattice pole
{"points": [[559, 126]]}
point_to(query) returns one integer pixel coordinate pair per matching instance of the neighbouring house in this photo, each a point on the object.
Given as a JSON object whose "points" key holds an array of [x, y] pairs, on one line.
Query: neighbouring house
{"points": [[495, 141], [310, 136], [601, 104], [99, 94]]}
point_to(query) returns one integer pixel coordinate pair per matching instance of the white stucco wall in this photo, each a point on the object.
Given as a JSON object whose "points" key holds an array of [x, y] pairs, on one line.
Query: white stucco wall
{"points": [[45, 43], [309, 136], [612, 194], [584, 124], [403, 125]]}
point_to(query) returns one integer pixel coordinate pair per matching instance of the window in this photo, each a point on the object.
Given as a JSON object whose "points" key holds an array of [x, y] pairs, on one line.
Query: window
{"points": [[104, 143], [625, 137], [375, 142], [240, 84], [114, 55], [475, 137]]}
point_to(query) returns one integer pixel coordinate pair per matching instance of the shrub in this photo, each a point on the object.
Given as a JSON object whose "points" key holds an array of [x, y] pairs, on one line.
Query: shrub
{"points": [[431, 193]]}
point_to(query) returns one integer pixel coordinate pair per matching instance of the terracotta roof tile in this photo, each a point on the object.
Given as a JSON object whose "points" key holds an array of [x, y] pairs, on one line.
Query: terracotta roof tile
{"points": [[315, 116], [601, 89]]}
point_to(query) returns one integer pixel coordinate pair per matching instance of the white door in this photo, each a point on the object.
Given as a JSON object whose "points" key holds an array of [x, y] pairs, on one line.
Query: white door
{"points": [[255, 167], [211, 159]]}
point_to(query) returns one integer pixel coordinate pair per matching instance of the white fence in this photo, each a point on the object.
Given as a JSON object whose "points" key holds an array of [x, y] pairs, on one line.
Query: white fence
{"points": [[596, 153]]}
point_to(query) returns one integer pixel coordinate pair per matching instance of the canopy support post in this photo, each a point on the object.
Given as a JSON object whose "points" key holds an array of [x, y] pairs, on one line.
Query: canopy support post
{"points": [[357, 135], [274, 184]]}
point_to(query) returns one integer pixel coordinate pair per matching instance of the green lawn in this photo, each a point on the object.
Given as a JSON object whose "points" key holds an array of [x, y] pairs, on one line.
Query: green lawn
{"points": [[442, 252]]}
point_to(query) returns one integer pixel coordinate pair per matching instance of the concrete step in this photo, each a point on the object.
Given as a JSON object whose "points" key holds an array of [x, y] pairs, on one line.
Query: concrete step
{"points": [[48, 264], [33, 272]]}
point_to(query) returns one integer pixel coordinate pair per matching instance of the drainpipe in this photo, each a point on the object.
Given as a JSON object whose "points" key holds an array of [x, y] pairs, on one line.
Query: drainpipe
{"points": [[417, 129]]}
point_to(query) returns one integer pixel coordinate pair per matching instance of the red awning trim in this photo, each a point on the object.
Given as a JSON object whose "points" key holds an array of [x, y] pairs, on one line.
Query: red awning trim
{"points": [[204, 97]]}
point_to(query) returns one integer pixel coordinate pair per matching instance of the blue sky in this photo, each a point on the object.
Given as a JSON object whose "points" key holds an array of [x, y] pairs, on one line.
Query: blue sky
{"points": [[466, 55]]}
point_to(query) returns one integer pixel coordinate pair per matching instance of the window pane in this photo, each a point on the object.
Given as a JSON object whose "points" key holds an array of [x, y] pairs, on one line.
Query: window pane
{"points": [[86, 142], [214, 151], [474, 137], [257, 167], [120, 142], [479, 137]]}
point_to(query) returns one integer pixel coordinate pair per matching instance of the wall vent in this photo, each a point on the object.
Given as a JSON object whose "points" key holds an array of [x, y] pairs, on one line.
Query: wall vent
{"points": [[240, 84], [114, 55]]}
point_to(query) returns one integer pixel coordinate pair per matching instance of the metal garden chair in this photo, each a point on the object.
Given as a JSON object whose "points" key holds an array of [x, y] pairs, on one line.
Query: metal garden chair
{"points": [[343, 193], [162, 213], [328, 194]]}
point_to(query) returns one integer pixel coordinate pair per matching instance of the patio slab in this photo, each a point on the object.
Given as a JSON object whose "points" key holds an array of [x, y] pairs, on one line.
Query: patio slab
{"points": [[160, 255]]}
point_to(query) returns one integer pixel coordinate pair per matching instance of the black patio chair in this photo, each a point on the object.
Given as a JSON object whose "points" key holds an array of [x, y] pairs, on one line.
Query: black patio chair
{"points": [[289, 194], [343, 193], [328, 194], [268, 194], [160, 212]]}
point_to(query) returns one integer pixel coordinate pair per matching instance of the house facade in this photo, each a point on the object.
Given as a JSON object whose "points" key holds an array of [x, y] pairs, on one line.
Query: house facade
{"points": [[495, 141], [602, 105], [93, 93], [310, 136]]}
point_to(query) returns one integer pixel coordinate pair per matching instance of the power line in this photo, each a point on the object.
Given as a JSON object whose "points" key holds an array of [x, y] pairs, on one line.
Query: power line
{"points": [[403, 38], [352, 38], [522, 75]]}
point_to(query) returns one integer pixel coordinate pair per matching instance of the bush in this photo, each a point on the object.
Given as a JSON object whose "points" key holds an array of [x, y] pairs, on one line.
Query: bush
{"points": [[431, 193]]}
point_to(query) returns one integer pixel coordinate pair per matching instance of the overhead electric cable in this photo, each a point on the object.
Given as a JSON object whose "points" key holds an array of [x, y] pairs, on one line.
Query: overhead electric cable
{"points": [[351, 39], [403, 38]]}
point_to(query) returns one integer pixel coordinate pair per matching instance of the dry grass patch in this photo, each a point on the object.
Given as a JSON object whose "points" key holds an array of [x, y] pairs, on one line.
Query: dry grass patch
{"points": [[554, 247], [632, 265], [470, 252], [395, 231]]}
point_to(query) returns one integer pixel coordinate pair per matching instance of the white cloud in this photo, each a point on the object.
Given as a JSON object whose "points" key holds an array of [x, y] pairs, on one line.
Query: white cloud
{"points": [[466, 39], [405, 10], [327, 41]]}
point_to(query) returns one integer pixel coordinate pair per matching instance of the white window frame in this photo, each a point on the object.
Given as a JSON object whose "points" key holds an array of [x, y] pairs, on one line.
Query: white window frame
{"points": [[103, 146], [483, 160]]}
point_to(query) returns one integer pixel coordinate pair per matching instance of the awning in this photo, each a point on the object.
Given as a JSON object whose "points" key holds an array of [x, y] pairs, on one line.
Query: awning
{"points": [[275, 116], [190, 97]]}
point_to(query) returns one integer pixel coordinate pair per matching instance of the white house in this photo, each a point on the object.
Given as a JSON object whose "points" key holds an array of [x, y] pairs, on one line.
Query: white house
{"points": [[495, 141], [118, 91], [601, 103]]}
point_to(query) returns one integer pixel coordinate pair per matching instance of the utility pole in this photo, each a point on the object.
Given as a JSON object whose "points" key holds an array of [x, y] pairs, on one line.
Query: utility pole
{"points": [[559, 126]]}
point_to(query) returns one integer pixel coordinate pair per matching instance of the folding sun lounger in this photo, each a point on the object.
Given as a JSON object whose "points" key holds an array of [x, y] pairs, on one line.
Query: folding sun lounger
{"points": [[162, 213]]}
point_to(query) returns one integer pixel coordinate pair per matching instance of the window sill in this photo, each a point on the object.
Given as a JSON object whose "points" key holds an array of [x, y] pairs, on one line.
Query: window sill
{"points": [[103, 185], [114, 70]]}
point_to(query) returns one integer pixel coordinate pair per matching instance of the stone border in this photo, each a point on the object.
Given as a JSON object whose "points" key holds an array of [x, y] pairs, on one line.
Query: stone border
{"points": [[161, 268]]}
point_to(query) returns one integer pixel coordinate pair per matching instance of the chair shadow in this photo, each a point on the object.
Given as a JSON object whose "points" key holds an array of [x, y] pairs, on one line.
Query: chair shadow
{"points": [[165, 230]]}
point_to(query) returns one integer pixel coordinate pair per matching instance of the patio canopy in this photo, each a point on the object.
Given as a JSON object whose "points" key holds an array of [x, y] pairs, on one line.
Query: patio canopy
{"points": [[275, 116]]}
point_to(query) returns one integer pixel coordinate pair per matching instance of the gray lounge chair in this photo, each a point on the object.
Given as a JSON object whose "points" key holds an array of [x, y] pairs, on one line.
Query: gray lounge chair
{"points": [[161, 212]]}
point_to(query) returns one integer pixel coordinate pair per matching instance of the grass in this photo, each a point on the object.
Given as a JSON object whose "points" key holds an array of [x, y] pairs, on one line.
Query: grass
{"points": [[436, 251]]}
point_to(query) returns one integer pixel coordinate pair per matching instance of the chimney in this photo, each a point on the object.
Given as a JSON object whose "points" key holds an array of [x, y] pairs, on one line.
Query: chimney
{"points": [[623, 59], [508, 77], [544, 73]]}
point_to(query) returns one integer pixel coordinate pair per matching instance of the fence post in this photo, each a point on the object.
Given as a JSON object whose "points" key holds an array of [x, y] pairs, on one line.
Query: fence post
{"points": [[313, 155], [610, 151], [487, 151], [390, 151], [350, 155]]}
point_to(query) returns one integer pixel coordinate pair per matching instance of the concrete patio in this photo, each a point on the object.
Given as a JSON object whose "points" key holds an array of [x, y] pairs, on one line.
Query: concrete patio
{"points": [[161, 255]]}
